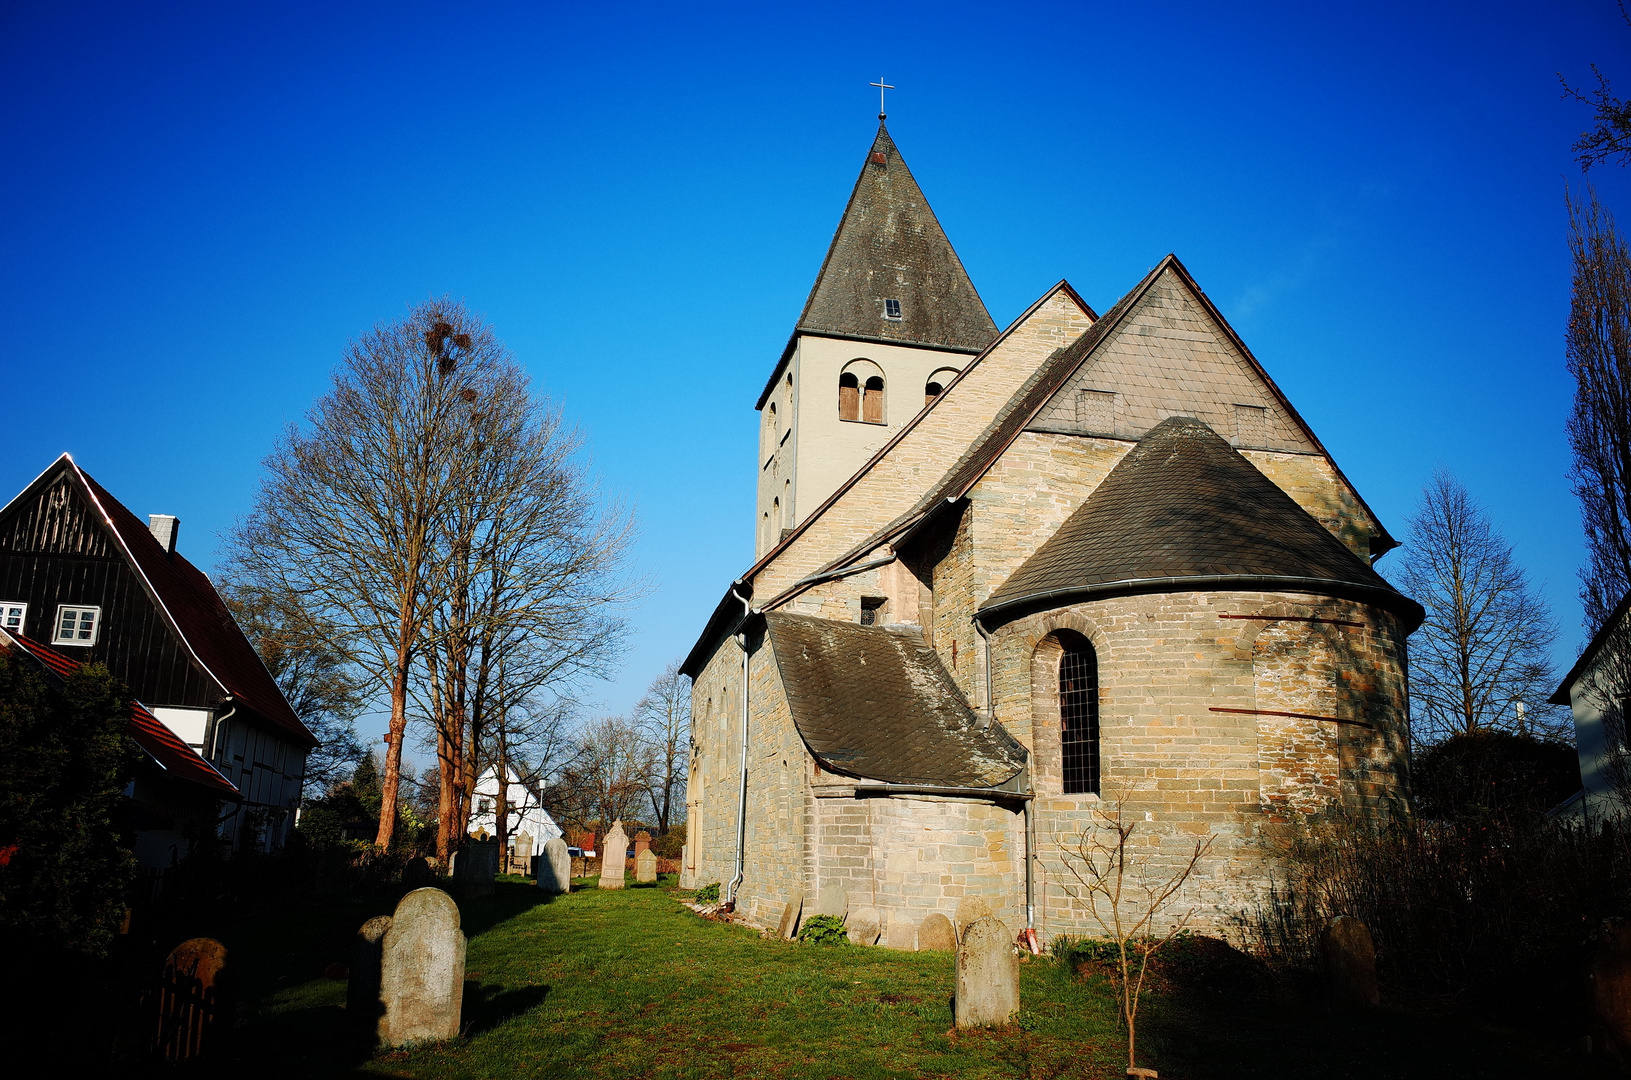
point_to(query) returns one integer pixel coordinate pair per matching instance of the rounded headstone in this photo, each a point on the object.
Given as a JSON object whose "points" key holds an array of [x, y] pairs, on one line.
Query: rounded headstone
{"points": [[862, 926], [970, 909], [1350, 964], [935, 932], [833, 900], [555, 867], [194, 999], [987, 975], [422, 970], [645, 866], [900, 932], [362, 1005]]}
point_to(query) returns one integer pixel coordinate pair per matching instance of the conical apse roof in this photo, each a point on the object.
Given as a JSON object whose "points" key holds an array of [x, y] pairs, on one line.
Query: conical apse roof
{"points": [[1185, 506], [889, 246]]}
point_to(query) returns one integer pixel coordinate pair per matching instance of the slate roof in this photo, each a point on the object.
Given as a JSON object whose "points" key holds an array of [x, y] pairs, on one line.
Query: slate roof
{"points": [[1182, 505], [876, 703], [176, 758], [889, 245]]}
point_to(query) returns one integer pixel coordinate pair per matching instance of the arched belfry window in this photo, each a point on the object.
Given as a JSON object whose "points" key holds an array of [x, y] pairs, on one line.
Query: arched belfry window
{"points": [[1079, 715], [860, 392], [849, 396], [937, 384]]}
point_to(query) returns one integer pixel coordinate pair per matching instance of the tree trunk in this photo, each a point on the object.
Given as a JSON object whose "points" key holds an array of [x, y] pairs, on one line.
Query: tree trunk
{"points": [[393, 755]]}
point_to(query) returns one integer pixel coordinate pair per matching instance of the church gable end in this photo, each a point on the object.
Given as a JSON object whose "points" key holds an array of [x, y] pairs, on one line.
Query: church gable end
{"points": [[1169, 356]]}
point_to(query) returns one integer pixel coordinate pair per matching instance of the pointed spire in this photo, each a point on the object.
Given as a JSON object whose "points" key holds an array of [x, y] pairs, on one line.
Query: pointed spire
{"points": [[890, 247]]}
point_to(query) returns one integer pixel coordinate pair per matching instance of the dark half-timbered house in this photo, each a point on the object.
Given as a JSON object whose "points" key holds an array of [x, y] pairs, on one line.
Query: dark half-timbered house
{"points": [[81, 573]]}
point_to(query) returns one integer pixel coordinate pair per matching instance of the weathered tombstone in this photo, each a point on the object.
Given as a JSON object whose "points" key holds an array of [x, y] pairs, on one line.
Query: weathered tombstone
{"points": [[422, 970], [362, 1005], [642, 842], [970, 909], [862, 926], [687, 879], [789, 926], [901, 932], [936, 932], [645, 866], [613, 854], [521, 861], [194, 999], [555, 867], [417, 873], [475, 866], [1610, 976], [833, 900], [987, 975], [1350, 964]]}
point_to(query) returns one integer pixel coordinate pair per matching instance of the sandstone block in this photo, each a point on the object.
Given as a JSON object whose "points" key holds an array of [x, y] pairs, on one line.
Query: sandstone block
{"points": [[900, 932], [788, 928], [862, 926], [936, 932], [833, 900], [970, 909], [645, 867], [987, 975]]}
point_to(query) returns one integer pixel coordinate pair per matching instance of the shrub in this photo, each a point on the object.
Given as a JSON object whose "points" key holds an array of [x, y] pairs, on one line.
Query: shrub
{"points": [[708, 894], [1492, 774], [823, 930]]}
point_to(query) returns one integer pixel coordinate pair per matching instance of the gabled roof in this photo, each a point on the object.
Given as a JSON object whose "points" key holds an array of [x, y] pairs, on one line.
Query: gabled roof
{"points": [[1183, 509], [1612, 626], [889, 245], [162, 745], [189, 603], [876, 703], [1023, 409]]}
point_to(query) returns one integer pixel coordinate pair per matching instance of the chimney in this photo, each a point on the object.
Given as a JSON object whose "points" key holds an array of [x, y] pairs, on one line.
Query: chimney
{"points": [[164, 528]]}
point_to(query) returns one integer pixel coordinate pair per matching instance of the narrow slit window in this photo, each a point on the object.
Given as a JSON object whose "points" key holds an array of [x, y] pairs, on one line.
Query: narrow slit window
{"points": [[12, 613], [891, 310], [849, 396], [76, 625], [1079, 717]]}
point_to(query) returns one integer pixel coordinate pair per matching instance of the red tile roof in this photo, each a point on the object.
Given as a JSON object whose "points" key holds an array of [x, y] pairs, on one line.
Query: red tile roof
{"points": [[199, 616], [161, 744]]}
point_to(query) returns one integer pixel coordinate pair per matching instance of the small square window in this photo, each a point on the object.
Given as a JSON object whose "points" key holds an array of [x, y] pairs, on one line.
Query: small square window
{"points": [[891, 309], [12, 613], [77, 625]]}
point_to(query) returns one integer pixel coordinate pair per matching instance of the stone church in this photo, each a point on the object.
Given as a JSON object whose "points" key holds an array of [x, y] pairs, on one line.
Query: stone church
{"points": [[1006, 576]]}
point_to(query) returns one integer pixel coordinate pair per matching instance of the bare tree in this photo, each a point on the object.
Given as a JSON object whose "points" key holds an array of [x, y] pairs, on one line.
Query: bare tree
{"points": [[1599, 354], [532, 742], [607, 781], [1129, 892], [664, 718], [314, 674], [353, 507], [1610, 137], [1480, 660]]}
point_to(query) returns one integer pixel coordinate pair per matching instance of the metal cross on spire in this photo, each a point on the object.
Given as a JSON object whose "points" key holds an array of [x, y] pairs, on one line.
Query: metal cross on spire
{"points": [[882, 86]]}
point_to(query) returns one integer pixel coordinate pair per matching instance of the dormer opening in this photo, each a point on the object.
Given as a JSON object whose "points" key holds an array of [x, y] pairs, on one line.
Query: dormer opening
{"points": [[891, 310]]}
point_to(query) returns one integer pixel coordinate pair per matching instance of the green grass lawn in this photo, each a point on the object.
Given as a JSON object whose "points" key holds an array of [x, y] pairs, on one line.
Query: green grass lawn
{"points": [[632, 984]]}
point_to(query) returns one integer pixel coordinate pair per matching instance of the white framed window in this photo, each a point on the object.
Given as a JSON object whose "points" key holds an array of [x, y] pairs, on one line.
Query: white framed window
{"points": [[77, 625], [12, 614], [891, 310]]}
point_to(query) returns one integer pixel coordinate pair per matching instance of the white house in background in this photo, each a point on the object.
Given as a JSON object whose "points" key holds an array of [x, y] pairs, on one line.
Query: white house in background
{"points": [[526, 812], [1593, 689]]}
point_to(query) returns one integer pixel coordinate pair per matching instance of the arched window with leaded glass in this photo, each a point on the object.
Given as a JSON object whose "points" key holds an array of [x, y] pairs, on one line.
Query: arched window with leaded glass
{"points": [[1079, 715]]}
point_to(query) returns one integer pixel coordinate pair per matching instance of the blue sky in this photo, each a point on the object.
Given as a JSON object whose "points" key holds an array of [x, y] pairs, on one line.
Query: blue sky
{"points": [[205, 202]]}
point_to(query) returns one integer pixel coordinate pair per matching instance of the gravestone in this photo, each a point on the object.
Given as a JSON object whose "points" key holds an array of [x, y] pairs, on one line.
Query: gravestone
{"points": [[788, 928], [833, 900], [555, 867], [862, 926], [1350, 964], [362, 1006], [613, 854], [194, 999], [970, 909], [900, 932], [418, 873], [642, 842], [475, 866], [422, 970], [987, 975], [521, 861], [1610, 985], [936, 932], [687, 880], [645, 866]]}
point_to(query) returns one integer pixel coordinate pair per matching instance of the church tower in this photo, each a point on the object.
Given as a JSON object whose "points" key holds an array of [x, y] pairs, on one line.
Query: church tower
{"points": [[891, 319]]}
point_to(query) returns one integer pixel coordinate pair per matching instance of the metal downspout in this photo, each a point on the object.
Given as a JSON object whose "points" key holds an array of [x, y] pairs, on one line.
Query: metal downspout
{"points": [[990, 718], [742, 796]]}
